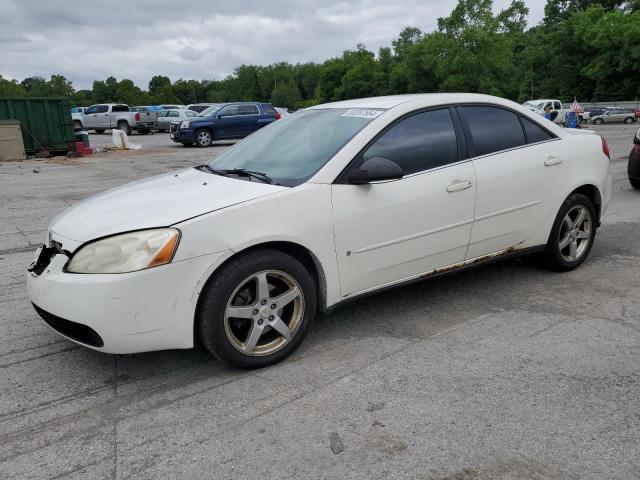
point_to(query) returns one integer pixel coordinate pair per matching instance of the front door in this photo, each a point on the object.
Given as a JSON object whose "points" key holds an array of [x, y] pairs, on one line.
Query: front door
{"points": [[519, 173], [387, 232]]}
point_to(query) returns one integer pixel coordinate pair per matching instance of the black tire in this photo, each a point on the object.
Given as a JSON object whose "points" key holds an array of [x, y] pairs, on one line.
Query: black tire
{"points": [[99, 130], [77, 124], [629, 120], [598, 121], [553, 257], [635, 183], [144, 132], [204, 137], [124, 126], [210, 317]]}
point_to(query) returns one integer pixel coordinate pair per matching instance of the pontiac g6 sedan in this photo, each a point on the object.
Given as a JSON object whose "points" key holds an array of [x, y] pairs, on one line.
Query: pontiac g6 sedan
{"points": [[321, 207]]}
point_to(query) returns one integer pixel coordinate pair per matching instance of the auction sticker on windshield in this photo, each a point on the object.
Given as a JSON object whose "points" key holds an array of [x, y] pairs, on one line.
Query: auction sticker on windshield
{"points": [[362, 113]]}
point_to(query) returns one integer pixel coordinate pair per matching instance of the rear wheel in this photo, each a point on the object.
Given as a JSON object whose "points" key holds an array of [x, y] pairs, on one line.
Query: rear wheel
{"points": [[635, 183], [629, 120], [257, 309], [572, 235], [124, 126], [204, 138]]}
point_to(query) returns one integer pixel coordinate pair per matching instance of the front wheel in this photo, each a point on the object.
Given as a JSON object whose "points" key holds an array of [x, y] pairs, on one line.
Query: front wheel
{"points": [[204, 138], [77, 124], [635, 183], [598, 121], [257, 309], [99, 130], [572, 235]]}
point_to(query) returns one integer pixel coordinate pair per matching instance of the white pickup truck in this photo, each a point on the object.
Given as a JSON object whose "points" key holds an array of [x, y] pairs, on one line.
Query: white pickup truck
{"points": [[539, 105], [106, 116]]}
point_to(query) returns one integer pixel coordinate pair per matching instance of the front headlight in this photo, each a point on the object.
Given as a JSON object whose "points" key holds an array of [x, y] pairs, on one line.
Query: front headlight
{"points": [[185, 124], [127, 252]]}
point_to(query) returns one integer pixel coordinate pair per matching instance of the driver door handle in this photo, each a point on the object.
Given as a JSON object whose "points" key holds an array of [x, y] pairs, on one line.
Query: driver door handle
{"points": [[457, 186], [551, 160]]}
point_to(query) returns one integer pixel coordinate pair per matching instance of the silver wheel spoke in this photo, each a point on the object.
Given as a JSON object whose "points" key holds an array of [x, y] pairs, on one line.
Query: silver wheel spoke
{"points": [[583, 235], [279, 326], [263, 286], [568, 222], [286, 298], [573, 250], [579, 218], [240, 312], [565, 241], [252, 339]]}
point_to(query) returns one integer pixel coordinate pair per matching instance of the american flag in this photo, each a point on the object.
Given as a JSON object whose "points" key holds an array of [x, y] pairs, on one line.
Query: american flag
{"points": [[575, 107]]}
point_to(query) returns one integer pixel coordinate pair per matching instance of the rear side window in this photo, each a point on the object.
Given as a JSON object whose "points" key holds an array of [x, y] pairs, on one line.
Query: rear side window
{"points": [[420, 142], [120, 108], [248, 110], [492, 129], [557, 105], [230, 111], [534, 132], [268, 108]]}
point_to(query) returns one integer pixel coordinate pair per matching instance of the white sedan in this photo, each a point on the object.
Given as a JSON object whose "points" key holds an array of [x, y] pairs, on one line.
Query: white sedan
{"points": [[334, 202]]}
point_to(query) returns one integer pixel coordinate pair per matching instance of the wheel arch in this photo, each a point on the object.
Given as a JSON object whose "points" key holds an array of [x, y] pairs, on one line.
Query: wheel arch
{"points": [[301, 253], [592, 193]]}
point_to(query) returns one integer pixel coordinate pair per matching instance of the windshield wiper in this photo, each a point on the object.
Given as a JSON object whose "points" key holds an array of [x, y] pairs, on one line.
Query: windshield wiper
{"points": [[225, 172]]}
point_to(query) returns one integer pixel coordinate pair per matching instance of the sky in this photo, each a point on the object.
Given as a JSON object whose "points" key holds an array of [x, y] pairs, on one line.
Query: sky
{"points": [[198, 39]]}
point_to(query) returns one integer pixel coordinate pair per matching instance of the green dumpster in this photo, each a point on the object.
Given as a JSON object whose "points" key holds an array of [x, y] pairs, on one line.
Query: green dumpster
{"points": [[45, 122]]}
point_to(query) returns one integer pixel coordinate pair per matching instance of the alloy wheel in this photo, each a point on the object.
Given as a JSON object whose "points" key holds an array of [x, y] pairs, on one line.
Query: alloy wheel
{"points": [[264, 313], [204, 139], [575, 233]]}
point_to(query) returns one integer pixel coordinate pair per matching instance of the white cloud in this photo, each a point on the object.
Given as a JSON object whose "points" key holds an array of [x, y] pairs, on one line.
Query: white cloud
{"points": [[198, 39]]}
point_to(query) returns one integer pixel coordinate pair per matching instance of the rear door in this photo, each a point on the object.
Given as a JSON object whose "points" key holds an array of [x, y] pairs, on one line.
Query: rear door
{"points": [[519, 176]]}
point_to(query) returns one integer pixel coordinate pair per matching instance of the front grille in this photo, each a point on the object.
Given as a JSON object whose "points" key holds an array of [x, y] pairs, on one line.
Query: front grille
{"points": [[173, 128], [75, 331]]}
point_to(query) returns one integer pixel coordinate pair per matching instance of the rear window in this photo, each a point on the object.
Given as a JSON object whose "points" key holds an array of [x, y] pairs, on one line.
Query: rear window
{"points": [[268, 109], [492, 129]]}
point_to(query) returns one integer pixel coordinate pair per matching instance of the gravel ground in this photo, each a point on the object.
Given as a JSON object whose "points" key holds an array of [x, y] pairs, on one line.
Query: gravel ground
{"points": [[505, 371]]}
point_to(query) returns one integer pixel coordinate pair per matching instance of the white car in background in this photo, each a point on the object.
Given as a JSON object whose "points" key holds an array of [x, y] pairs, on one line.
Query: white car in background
{"points": [[324, 206], [165, 117]]}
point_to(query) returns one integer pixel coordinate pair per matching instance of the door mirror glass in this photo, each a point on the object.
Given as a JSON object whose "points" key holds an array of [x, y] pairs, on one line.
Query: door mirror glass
{"points": [[376, 169]]}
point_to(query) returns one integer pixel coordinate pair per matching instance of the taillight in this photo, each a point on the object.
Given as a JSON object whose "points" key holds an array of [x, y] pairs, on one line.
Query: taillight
{"points": [[137, 116], [605, 148], [278, 116]]}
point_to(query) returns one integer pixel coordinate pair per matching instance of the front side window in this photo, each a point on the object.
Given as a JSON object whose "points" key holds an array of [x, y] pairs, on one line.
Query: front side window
{"points": [[102, 108], [293, 149], [92, 109], [492, 129], [420, 142], [557, 105]]}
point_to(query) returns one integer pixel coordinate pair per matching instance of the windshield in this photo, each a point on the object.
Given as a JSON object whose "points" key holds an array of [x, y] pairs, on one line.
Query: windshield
{"points": [[210, 111], [292, 149], [533, 105]]}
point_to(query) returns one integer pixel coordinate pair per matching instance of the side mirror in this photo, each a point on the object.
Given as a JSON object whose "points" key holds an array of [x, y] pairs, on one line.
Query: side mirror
{"points": [[636, 139], [376, 169]]}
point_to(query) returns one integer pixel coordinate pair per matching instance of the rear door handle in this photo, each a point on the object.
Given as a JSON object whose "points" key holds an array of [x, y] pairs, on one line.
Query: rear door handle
{"points": [[457, 186], [550, 161]]}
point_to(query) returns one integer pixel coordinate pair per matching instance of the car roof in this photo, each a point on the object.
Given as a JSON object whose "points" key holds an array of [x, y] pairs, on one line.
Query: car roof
{"points": [[391, 101]]}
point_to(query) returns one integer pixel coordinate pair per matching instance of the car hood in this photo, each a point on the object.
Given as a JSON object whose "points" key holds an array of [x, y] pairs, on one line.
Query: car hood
{"points": [[155, 202]]}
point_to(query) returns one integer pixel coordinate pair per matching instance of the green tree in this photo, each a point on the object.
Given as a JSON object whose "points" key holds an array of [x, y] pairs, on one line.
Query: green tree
{"points": [[11, 88]]}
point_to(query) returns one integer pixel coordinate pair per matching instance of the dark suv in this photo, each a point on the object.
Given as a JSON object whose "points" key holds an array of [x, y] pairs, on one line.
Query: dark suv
{"points": [[222, 122]]}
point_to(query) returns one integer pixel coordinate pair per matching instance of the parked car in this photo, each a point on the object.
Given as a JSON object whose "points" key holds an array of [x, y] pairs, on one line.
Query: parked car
{"points": [[148, 115], [332, 203], [558, 111], [167, 116], [171, 107], [615, 115], [111, 115], [633, 167], [199, 107], [282, 111], [223, 122]]}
